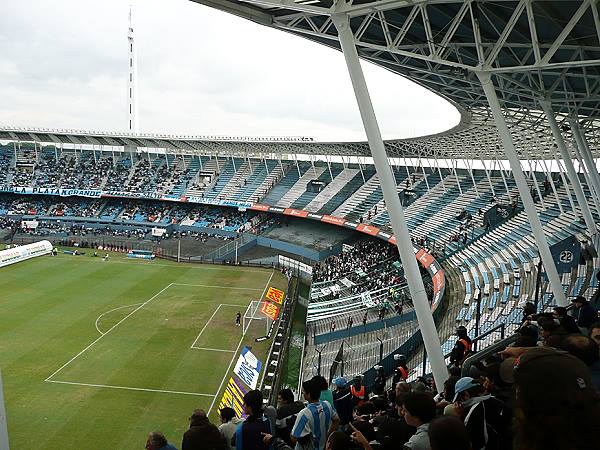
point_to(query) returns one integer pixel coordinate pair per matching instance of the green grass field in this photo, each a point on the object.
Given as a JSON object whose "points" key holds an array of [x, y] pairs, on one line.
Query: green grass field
{"points": [[95, 354]]}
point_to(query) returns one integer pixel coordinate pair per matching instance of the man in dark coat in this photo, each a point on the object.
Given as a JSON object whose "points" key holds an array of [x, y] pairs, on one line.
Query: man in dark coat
{"points": [[202, 435]]}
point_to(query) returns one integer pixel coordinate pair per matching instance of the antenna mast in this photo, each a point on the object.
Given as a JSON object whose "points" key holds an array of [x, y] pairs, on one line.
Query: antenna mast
{"points": [[132, 124]]}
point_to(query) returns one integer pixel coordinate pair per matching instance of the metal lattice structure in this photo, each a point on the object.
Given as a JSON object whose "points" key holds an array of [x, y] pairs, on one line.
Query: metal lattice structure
{"points": [[535, 50]]}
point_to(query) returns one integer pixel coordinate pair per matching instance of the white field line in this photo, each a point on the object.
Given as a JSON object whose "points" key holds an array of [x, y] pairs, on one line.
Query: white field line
{"points": [[208, 321], [130, 388], [217, 287], [109, 330], [213, 349], [205, 325], [236, 351], [109, 311], [180, 265]]}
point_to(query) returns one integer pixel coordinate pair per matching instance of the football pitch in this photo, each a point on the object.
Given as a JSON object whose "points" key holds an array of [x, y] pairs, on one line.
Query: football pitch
{"points": [[96, 354]]}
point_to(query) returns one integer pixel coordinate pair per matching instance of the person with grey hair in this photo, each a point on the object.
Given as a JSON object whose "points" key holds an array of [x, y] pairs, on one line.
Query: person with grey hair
{"points": [[157, 441]]}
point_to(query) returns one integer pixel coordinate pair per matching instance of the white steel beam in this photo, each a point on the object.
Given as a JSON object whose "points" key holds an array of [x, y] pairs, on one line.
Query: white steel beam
{"points": [[515, 164], [392, 201], [571, 173]]}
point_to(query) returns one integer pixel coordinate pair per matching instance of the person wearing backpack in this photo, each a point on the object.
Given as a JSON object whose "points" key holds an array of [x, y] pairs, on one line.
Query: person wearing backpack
{"points": [[485, 417]]}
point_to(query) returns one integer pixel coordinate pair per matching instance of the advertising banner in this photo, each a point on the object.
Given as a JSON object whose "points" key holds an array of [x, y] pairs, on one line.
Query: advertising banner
{"points": [[295, 212], [367, 229], [275, 295], [26, 190], [270, 310], [233, 397], [248, 368]]}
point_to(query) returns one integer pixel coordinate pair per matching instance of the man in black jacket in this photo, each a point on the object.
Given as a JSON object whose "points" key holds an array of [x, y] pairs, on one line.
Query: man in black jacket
{"points": [[249, 434], [287, 410], [342, 400], [202, 435]]}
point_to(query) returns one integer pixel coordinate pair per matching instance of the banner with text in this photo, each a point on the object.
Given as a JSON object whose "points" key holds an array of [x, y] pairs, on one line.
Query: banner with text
{"points": [[248, 368]]}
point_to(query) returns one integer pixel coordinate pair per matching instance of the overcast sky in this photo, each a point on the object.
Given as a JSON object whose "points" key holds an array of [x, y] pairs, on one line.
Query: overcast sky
{"points": [[200, 71]]}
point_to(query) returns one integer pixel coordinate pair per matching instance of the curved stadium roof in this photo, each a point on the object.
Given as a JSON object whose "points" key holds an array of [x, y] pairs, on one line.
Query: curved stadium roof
{"points": [[536, 50]]}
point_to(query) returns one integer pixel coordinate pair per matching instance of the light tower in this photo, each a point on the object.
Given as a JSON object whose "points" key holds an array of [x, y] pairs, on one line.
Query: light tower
{"points": [[132, 124]]}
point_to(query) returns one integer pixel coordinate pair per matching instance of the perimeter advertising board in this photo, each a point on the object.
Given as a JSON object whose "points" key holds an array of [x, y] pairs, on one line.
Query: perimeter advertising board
{"points": [[248, 368]]}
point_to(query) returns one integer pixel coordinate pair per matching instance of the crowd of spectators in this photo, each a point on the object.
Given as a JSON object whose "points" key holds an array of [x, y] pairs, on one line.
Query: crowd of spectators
{"points": [[360, 258], [153, 211], [543, 393]]}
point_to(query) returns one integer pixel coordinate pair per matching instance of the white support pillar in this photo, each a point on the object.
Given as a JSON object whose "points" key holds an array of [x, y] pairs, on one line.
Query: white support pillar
{"points": [[440, 174], [533, 177], [407, 171], [424, 174], [392, 201], [297, 166], [362, 174], [515, 164], [233, 162], [487, 174], [472, 178], [548, 175], [501, 170], [590, 166], [571, 173], [329, 167], [586, 176], [566, 183], [456, 176]]}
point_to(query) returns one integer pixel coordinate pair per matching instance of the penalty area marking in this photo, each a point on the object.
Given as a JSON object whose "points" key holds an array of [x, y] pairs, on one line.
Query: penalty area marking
{"points": [[213, 349], [236, 351], [218, 287], [126, 388], [206, 325]]}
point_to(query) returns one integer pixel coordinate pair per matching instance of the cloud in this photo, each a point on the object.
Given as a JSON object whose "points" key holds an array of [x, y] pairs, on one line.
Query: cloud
{"points": [[201, 71]]}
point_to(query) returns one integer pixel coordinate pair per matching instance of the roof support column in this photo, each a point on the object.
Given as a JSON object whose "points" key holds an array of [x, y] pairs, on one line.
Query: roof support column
{"points": [[501, 170], [533, 176], [392, 201], [515, 164], [571, 173], [440, 173], [472, 177], [566, 183], [583, 170], [584, 150], [425, 174], [487, 174], [550, 179], [456, 176]]}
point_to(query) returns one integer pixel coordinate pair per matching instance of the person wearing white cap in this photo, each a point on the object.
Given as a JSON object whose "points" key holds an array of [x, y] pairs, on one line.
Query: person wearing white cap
{"points": [[484, 416]]}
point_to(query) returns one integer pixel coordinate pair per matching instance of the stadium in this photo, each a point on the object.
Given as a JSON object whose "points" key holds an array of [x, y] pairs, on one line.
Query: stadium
{"points": [[147, 277]]}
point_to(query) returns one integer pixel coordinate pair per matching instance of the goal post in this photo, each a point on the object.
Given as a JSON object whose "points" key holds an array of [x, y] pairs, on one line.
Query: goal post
{"points": [[254, 314]]}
